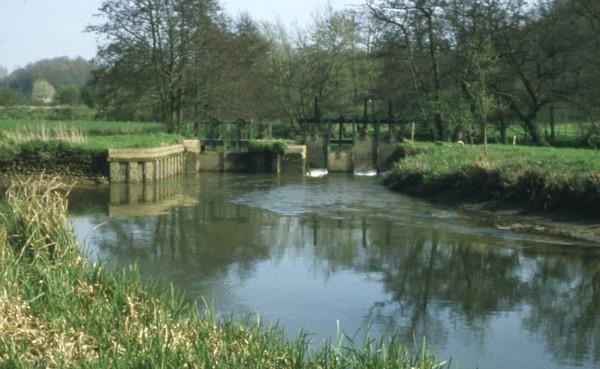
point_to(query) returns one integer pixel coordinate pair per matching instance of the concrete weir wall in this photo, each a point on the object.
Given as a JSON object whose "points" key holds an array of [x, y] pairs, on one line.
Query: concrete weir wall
{"points": [[151, 165], [146, 165], [293, 161], [364, 154]]}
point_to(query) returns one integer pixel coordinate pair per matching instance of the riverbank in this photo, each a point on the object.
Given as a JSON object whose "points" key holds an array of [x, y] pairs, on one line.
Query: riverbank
{"points": [[58, 310], [532, 179], [77, 153]]}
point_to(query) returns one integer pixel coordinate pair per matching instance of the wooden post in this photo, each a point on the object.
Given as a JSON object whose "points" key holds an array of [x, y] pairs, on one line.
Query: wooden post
{"points": [[317, 117], [412, 132], [238, 134], [485, 141], [391, 126], [363, 131], [376, 144], [326, 143]]}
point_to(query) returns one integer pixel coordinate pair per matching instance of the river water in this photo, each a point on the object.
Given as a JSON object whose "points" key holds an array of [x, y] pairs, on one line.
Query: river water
{"points": [[312, 253]]}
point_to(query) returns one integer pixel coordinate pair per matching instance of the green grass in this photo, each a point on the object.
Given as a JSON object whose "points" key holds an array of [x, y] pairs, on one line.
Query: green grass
{"points": [[268, 146], [131, 141], [539, 178], [75, 148], [59, 311]]}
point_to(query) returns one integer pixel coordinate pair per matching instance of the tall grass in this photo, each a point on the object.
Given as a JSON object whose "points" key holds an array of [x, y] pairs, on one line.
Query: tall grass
{"points": [[59, 311], [45, 133], [90, 127]]}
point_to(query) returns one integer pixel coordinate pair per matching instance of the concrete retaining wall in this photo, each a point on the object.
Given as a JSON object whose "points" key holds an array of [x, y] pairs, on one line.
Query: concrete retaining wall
{"points": [[293, 161], [340, 161], [146, 165], [316, 152], [362, 154], [151, 165]]}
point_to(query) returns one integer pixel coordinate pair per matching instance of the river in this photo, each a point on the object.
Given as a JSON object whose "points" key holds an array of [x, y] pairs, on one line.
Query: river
{"points": [[315, 253]]}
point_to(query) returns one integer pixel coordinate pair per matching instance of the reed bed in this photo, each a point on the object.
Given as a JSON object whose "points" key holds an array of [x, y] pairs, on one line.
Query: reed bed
{"points": [[57, 310], [44, 133]]}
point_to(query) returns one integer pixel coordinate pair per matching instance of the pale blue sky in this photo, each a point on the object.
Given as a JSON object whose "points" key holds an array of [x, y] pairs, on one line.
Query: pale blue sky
{"points": [[35, 29]]}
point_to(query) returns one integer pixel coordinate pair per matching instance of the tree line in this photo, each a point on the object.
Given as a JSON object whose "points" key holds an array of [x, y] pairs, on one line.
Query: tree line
{"points": [[60, 79], [455, 68]]}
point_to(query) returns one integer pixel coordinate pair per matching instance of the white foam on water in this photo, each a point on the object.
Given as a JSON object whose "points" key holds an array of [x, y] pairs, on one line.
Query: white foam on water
{"points": [[365, 172], [317, 173]]}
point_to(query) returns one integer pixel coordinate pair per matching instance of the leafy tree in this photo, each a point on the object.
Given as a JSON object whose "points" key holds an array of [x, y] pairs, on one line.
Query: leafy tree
{"points": [[10, 97], [3, 74], [57, 71], [418, 27], [158, 44], [481, 72], [328, 63], [68, 95], [43, 91]]}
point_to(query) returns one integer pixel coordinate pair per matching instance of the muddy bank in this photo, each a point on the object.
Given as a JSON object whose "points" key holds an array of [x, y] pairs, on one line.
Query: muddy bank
{"points": [[511, 216]]}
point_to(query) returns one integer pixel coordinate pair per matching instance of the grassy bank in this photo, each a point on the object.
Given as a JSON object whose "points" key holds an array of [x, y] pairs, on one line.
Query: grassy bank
{"points": [[59, 311], [77, 149], [537, 178]]}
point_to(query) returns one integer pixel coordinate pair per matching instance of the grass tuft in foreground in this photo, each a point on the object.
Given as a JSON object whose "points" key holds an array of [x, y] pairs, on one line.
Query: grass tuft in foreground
{"points": [[59, 311], [538, 178]]}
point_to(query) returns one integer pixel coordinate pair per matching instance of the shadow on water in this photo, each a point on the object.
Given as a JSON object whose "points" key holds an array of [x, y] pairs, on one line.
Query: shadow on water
{"points": [[309, 252]]}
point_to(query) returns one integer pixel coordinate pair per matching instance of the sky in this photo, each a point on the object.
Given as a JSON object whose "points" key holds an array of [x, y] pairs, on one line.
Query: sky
{"points": [[31, 30]]}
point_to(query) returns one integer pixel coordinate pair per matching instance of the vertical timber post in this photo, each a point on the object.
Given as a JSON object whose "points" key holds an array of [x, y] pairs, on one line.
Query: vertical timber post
{"points": [[392, 123], [341, 133], [326, 143], [376, 145], [238, 134]]}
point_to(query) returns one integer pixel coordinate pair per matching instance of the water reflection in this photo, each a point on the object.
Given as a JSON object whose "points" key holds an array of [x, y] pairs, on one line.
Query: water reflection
{"points": [[312, 251]]}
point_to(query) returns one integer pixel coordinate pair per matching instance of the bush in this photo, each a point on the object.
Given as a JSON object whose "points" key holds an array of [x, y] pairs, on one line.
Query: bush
{"points": [[273, 147], [10, 97], [68, 95]]}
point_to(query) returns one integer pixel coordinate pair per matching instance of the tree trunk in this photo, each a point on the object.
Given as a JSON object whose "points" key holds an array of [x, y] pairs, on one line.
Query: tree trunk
{"points": [[534, 131], [552, 131]]}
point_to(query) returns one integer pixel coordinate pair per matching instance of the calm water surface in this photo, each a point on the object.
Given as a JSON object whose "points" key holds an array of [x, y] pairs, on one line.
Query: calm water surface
{"points": [[310, 252]]}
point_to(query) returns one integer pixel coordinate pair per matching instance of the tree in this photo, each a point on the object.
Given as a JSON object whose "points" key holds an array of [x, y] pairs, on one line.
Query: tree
{"points": [[159, 43], [10, 97], [68, 95], [43, 91], [3, 74], [481, 71], [534, 56], [419, 25], [58, 72], [327, 62]]}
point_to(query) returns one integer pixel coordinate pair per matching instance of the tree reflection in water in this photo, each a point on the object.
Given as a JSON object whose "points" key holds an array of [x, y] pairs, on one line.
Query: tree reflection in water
{"points": [[435, 279]]}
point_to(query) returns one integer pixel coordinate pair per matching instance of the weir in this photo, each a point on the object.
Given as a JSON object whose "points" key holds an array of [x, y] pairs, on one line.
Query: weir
{"points": [[351, 144], [135, 166], [146, 165], [364, 154]]}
